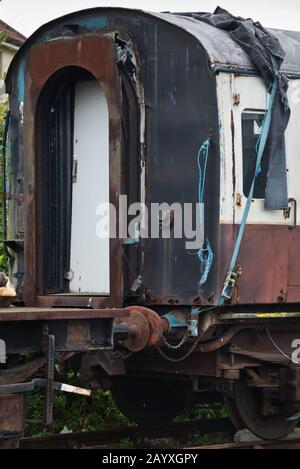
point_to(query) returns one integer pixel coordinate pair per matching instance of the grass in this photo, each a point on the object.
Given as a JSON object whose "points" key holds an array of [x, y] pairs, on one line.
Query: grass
{"points": [[73, 412], [204, 411]]}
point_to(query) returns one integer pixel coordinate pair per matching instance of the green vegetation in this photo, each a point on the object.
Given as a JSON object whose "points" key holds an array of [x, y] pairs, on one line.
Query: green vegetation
{"points": [[204, 411], [77, 413], [3, 112], [216, 439], [72, 412], [126, 443]]}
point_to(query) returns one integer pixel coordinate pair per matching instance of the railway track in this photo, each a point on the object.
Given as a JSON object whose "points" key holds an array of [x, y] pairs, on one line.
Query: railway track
{"points": [[293, 443], [138, 436], [104, 438]]}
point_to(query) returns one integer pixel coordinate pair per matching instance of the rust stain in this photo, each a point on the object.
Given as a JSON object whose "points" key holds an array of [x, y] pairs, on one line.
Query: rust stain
{"points": [[236, 99], [20, 313]]}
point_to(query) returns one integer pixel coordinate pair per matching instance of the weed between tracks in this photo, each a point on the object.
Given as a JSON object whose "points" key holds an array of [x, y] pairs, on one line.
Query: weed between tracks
{"points": [[204, 411], [174, 443], [74, 413]]}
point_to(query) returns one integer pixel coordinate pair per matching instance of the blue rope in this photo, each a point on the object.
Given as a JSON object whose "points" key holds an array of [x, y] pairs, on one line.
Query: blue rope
{"points": [[260, 146], [205, 254]]}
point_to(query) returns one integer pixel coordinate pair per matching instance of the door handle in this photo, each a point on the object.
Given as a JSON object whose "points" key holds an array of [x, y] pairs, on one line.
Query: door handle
{"points": [[294, 202], [74, 169]]}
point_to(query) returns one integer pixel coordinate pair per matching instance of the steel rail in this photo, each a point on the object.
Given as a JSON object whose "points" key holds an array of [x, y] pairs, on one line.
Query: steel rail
{"points": [[113, 436]]}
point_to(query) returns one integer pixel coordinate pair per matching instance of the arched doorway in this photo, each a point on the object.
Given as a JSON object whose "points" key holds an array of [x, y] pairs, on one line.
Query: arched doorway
{"points": [[60, 73], [73, 179]]}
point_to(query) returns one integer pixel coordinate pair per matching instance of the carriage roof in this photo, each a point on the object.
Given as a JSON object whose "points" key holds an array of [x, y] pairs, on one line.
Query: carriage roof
{"points": [[222, 50]]}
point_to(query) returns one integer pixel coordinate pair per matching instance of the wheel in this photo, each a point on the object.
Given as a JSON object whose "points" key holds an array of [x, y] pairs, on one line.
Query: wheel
{"points": [[149, 402], [248, 405], [233, 412]]}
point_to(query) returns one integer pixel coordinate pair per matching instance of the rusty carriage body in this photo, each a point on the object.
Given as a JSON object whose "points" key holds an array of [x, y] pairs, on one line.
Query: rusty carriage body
{"points": [[109, 102]]}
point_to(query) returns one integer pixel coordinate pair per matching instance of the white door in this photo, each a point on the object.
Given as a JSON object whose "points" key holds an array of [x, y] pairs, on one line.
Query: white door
{"points": [[89, 260], [245, 117]]}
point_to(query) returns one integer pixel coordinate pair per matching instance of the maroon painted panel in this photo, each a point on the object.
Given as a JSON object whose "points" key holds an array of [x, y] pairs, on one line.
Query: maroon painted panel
{"points": [[263, 260], [294, 252]]}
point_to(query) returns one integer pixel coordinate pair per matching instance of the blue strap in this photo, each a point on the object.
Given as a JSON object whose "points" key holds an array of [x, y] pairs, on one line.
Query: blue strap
{"points": [[231, 276], [205, 253], [203, 151]]}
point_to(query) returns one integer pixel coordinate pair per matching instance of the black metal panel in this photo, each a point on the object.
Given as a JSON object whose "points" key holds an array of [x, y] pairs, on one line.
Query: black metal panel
{"points": [[130, 172], [182, 114], [55, 114], [22, 337], [70, 335]]}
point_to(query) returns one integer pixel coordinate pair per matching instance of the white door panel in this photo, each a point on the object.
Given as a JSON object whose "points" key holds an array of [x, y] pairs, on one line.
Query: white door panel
{"points": [[89, 260], [252, 96], [292, 139]]}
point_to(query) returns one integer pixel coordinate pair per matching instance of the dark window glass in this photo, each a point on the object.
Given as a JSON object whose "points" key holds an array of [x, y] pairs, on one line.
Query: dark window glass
{"points": [[251, 128]]}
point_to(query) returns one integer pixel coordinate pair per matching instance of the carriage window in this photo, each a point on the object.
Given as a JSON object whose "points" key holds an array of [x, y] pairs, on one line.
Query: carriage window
{"points": [[251, 128]]}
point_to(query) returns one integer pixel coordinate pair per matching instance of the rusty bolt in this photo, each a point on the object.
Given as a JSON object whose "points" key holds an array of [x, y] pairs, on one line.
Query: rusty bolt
{"points": [[238, 200], [236, 99], [69, 275]]}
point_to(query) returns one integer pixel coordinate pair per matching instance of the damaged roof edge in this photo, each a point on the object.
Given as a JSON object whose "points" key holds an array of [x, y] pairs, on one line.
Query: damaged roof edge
{"points": [[224, 51], [221, 49]]}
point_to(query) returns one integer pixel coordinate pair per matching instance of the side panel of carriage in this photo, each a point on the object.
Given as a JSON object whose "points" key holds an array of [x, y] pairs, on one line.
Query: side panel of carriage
{"points": [[269, 271]]}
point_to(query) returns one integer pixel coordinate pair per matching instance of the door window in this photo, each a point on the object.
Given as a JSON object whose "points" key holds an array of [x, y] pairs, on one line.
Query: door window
{"points": [[251, 130]]}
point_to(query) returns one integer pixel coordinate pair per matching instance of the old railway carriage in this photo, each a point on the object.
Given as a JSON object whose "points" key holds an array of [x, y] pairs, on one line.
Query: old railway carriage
{"points": [[105, 102]]}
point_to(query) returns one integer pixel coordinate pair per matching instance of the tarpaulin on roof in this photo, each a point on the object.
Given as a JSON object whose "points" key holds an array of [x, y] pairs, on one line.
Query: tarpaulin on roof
{"points": [[263, 48]]}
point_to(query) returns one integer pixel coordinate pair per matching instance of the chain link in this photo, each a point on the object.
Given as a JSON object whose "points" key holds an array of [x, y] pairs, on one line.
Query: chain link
{"points": [[179, 359], [177, 346]]}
